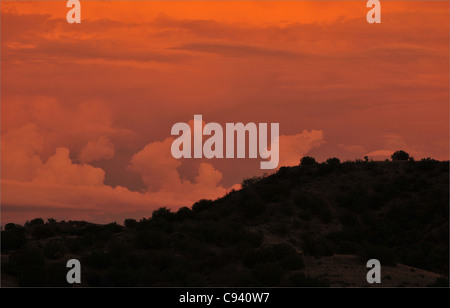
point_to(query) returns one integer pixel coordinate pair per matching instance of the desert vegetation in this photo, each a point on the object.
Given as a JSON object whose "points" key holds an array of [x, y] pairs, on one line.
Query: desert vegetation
{"points": [[261, 235]]}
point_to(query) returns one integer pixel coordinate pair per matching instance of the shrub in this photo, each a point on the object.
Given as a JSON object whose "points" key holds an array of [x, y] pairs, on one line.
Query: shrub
{"points": [[162, 212], [334, 161], [13, 227], [250, 181], [130, 223], [183, 213], [400, 155], [307, 161], [34, 222], [201, 205]]}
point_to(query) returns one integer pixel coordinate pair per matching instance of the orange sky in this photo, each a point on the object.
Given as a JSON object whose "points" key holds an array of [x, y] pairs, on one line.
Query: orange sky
{"points": [[86, 109]]}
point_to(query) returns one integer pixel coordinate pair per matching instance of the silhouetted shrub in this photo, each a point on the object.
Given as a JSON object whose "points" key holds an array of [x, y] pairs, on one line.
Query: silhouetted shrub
{"points": [[13, 227], [400, 155], [334, 161], [201, 205], [250, 181], [162, 213], [130, 223], [34, 222], [183, 213], [307, 161], [51, 221]]}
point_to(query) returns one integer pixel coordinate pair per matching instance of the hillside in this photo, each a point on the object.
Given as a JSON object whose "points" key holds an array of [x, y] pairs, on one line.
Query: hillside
{"points": [[309, 225]]}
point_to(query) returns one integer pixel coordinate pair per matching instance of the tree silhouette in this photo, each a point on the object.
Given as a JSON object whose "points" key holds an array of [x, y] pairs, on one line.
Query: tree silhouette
{"points": [[307, 161], [400, 155]]}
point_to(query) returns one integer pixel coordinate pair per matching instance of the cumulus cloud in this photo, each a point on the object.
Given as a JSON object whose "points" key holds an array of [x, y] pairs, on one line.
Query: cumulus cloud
{"points": [[60, 169], [101, 148], [20, 148], [159, 170], [156, 165], [293, 147]]}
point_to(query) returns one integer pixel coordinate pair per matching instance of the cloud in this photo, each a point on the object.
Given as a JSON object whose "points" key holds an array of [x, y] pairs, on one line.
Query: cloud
{"points": [[19, 152], [380, 153], [60, 169], [156, 165], [240, 50], [294, 147], [159, 171], [352, 148], [101, 148]]}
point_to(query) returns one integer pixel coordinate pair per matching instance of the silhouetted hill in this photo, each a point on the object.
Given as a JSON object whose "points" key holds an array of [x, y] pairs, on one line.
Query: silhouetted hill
{"points": [[310, 225]]}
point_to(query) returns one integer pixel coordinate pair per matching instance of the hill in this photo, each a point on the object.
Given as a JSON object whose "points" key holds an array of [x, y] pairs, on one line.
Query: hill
{"points": [[309, 225]]}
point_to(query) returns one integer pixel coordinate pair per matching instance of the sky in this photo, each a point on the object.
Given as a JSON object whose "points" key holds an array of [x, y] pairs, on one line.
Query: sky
{"points": [[87, 109]]}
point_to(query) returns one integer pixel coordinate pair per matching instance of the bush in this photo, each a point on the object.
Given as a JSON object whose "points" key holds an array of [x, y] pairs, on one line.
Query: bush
{"points": [[201, 205], [250, 181], [13, 227], [307, 161], [162, 212], [130, 223], [334, 161], [183, 213], [400, 155], [34, 222]]}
